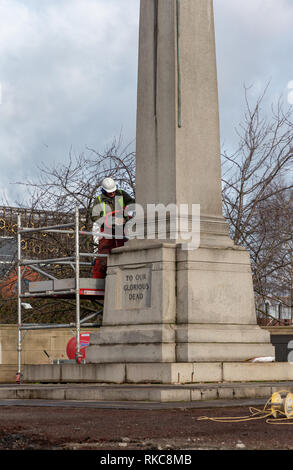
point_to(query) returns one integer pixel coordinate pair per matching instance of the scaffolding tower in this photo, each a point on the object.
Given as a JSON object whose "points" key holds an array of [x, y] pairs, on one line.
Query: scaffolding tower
{"points": [[76, 287]]}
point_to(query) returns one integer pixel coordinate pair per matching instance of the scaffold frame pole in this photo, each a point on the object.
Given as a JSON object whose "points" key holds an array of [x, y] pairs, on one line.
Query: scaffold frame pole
{"points": [[74, 261]]}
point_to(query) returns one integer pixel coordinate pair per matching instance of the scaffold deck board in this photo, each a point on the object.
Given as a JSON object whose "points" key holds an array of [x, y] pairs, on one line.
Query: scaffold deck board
{"points": [[88, 287]]}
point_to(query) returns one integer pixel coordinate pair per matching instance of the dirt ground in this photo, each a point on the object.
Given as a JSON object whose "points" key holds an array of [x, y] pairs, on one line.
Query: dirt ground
{"points": [[57, 428]]}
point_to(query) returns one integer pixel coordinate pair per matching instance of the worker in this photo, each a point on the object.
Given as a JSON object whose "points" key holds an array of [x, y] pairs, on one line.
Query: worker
{"points": [[109, 216]]}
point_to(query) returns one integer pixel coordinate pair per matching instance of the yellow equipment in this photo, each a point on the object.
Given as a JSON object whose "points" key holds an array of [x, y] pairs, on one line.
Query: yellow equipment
{"points": [[289, 406], [277, 410]]}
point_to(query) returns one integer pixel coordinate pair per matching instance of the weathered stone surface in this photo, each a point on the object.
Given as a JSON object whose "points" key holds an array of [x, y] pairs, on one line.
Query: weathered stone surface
{"points": [[42, 373], [203, 372], [220, 352], [149, 352], [160, 373], [124, 278], [204, 295], [214, 286], [145, 393], [102, 373], [133, 334], [272, 371], [171, 153], [220, 333]]}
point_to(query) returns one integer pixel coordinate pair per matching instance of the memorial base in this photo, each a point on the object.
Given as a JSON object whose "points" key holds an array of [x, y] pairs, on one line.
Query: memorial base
{"points": [[164, 304], [159, 373]]}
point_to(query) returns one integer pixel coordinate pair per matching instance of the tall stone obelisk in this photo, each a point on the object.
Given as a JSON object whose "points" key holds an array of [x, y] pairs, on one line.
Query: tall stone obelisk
{"points": [[178, 144], [165, 304]]}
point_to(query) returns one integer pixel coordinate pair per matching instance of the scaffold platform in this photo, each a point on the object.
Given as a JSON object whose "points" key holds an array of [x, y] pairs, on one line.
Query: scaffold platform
{"points": [[89, 288]]}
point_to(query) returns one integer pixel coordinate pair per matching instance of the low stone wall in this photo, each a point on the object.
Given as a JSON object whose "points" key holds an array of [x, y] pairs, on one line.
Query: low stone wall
{"points": [[35, 342], [54, 342]]}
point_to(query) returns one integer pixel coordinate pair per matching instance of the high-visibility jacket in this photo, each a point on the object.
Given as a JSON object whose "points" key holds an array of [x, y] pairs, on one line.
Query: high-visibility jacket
{"points": [[104, 204]]}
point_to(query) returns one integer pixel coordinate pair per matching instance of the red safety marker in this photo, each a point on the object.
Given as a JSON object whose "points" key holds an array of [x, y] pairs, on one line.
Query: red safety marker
{"points": [[71, 347], [18, 377]]}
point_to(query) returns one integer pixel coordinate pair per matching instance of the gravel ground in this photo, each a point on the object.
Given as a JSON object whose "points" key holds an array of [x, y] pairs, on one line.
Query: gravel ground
{"points": [[57, 428]]}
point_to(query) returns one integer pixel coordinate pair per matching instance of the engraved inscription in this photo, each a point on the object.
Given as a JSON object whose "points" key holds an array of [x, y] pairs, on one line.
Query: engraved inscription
{"points": [[136, 285]]}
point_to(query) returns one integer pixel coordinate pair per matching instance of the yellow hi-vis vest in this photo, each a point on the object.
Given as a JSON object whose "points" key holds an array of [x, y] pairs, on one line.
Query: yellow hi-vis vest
{"points": [[102, 203]]}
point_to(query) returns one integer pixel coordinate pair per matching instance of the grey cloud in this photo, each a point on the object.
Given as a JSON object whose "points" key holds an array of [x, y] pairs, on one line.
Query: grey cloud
{"points": [[254, 42], [69, 67], [67, 77]]}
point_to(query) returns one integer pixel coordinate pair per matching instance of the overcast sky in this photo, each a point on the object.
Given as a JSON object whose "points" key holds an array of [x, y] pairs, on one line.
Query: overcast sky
{"points": [[68, 73]]}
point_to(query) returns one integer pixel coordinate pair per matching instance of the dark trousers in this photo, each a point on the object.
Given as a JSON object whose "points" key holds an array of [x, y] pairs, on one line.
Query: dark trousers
{"points": [[105, 247]]}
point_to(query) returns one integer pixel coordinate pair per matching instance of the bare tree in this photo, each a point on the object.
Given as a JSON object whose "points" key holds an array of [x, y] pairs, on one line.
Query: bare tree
{"points": [[273, 248], [57, 189], [60, 188], [257, 194], [52, 196], [257, 190]]}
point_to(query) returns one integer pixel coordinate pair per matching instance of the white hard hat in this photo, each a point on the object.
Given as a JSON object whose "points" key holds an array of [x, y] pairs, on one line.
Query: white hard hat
{"points": [[109, 185]]}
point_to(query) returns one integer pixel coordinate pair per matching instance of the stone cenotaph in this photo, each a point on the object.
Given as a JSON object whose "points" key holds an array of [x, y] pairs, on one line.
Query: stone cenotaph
{"points": [[171, 313]]}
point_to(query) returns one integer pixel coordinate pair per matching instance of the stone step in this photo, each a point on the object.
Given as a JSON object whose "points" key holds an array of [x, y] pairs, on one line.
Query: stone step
{"points": [[182, 352], [164, 333], [144, 393], [159, 373], [213, 352]]}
